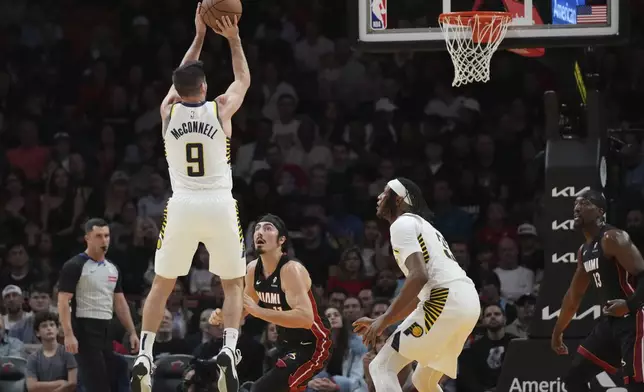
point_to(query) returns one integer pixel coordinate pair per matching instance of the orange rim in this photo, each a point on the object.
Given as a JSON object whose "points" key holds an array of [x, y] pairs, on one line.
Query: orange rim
{"points": [[483, 18]]}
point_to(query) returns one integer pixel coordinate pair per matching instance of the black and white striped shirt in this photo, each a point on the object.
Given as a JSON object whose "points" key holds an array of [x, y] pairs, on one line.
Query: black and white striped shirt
{"points": [[93, 284]]}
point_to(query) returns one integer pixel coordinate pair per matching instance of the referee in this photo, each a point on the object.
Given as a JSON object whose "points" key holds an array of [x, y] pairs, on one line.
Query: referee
{"points": [[93, 286]]}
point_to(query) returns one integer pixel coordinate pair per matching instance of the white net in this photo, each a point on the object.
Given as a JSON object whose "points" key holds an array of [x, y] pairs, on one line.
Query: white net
{"points": [[471, 42]]}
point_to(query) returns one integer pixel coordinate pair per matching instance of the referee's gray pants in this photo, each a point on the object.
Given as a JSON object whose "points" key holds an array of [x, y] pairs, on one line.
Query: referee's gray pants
{"points": [[95, 355]]}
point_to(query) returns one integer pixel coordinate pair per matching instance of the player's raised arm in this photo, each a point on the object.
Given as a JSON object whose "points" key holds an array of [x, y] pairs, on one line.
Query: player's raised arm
{"points": [[232, 99], [296, 284], [192, 54], [617, 243], [570, 304]]}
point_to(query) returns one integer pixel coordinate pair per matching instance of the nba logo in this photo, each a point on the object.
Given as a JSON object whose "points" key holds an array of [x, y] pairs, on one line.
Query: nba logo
{"points": [[378, 14]]}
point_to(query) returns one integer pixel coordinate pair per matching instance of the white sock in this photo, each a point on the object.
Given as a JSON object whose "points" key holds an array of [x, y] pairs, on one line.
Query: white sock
{"points": [[230, 338], [147, 343]]}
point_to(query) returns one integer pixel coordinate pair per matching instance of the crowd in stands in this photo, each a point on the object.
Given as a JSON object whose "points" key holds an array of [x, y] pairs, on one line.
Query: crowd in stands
{"points": [[322, 130]]}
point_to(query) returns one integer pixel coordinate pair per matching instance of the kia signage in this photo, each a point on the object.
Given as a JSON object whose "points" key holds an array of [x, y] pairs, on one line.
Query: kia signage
{"points": [[536, 368], [592, 313], [569, 257], [572, 167]]}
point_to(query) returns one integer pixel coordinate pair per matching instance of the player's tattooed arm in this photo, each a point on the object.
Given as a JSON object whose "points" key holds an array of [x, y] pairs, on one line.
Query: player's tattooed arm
{"points": [[618, 244], [296, 284], [230, 102], [572, 298]]}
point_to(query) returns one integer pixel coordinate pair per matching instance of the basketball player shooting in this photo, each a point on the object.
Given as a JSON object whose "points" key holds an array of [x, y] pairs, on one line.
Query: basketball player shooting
{"points": [[196, 133], [438, 302], [278, 290], [609, 260]]}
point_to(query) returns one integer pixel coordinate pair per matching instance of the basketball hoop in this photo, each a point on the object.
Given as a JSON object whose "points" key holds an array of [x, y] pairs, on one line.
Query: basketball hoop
{"points": [[472, 37]]}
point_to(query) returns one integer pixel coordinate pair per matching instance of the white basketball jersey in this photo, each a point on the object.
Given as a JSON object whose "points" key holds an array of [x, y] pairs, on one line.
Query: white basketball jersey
{"points": [[410, 234], [197, 149]]}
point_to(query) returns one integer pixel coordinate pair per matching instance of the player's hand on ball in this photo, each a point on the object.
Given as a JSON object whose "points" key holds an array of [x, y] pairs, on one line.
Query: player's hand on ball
{"points": [[200, 25], [557, 344], [250, 305], [360, 325], [227, 27], [616, 308], [216, 317]]}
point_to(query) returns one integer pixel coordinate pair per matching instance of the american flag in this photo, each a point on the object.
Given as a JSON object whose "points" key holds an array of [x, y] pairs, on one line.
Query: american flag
{"points": [[592, 14]]}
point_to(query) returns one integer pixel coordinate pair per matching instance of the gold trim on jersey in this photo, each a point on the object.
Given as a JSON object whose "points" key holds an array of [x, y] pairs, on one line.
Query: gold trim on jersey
{"points": [[434, 306], [163, 224], [174, 105], [423, 248], [228, 159], [240, 231]]}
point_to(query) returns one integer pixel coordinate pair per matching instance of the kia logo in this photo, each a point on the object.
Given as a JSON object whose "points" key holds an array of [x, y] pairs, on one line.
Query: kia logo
{"points": [[564, 225], [564, 258], [569, 191]]}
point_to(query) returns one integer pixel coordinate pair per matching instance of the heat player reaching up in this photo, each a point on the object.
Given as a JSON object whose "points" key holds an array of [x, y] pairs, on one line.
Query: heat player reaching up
{"points": [[197, 134], [609, 260], [278, 290], [438, 302]]}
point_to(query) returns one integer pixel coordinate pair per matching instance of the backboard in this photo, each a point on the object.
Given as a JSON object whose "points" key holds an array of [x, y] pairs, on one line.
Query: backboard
{"points": [[388, 25]]}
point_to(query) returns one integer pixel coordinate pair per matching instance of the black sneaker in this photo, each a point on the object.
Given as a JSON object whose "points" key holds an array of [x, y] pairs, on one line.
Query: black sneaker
{"points": [[141, 380], [227, 360]]}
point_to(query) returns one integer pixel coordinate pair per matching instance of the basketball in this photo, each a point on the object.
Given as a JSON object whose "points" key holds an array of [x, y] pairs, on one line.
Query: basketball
{"points": [[211, 10]]}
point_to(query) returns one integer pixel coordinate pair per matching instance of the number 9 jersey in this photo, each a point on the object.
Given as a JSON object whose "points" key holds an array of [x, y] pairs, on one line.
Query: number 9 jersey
{"points": [[410, 234], [197, 149], [202, 208]]}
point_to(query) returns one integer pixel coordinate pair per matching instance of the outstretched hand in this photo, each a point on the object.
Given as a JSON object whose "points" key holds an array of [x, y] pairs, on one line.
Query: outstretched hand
{"points": [[227, 27], [200, 25]]}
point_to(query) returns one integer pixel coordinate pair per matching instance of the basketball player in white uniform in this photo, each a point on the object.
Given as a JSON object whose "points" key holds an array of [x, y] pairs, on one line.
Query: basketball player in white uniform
{"points": [[438, 302], [196, 133]]}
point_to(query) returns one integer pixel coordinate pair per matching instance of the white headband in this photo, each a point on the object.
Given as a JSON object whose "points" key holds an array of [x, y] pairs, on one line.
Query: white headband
{"points": [[400, 190]]}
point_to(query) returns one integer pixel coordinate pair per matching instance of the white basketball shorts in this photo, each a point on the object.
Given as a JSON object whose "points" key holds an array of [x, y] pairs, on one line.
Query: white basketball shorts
{"points": [[208, 217], [436, 331]]}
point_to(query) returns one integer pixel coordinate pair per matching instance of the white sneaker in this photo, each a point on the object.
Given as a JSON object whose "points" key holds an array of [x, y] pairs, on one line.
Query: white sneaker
{"points": [[141, 372], [227, 360]]}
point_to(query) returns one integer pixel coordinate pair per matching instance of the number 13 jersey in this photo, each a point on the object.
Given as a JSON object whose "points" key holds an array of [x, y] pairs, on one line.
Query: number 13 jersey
{"points": [[197, 149], [410, 234]]}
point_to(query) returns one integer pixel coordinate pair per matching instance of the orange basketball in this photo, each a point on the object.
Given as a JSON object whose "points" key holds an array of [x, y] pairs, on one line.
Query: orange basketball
{"points": [[212, 10]]}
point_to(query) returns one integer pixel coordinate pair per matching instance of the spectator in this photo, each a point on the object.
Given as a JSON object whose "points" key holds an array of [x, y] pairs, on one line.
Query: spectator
{"points": [[25, 330], [50, 368], [314, 251], [481, 363], [386, 284], [496, 226], [349, 274], [13, 302], [30, 157], [379, 308], [531, 256], [516, 280], [200, 277], [153, 204], [9, 347], [374, 248], [366, 298], [352, 309], [336, 298], [525, 311], [165, 343], [61, 205], [178, 310], [19, 270], [461, 252], [344, 371], [451, 221]]}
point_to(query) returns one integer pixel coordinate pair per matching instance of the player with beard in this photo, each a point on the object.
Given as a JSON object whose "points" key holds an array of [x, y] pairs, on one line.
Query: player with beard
{"points": [[609, 260], [278, 290], [438, 302]]}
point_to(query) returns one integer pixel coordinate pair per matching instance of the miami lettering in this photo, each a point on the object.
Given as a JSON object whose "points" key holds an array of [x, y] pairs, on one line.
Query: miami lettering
{"points": [[194, 127], [591, 265], [269, 298]]}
